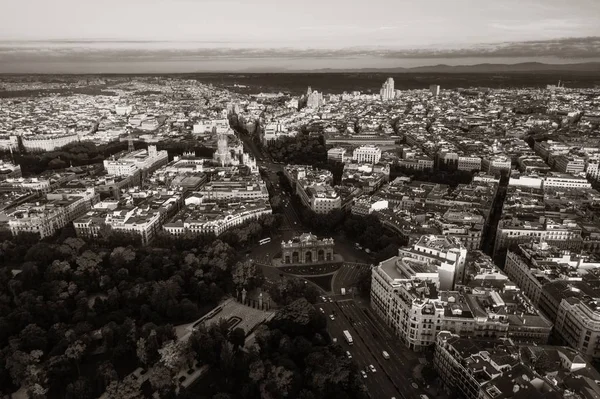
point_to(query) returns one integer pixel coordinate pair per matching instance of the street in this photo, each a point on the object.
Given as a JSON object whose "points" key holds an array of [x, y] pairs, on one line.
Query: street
{"points": [[393, 377], [347, 276]]}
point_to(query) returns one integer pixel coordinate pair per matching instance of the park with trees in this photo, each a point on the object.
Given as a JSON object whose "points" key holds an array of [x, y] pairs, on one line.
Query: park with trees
{"points": [[77, 316]]}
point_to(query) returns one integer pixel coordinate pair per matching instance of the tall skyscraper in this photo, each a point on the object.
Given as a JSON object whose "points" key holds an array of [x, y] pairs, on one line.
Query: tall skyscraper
{"points": [[222, 155], [435, 90], [387, 90], [314, 100]]}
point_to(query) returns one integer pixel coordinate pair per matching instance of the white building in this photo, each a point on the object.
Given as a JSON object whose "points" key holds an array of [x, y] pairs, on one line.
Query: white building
{"points": [[207, 126], [469, 163], [387, 91], [367, 154], [336, 154], [144, 160], [591, 169], [47, 142], [9, 143], [123, 109], [274, 131], [565, 180], [569, 164], [496, 163]]}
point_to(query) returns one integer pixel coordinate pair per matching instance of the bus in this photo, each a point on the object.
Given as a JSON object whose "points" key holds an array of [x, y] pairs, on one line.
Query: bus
{"points": [[265, 241], [348, 337]]}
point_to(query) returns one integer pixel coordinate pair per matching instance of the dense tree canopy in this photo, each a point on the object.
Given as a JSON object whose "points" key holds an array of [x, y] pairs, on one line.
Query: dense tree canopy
{"points": [[303, 149], [75, 300], [291, 358]]}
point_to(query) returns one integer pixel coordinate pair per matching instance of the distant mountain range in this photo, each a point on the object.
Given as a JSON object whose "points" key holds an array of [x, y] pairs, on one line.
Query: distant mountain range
{"points": [[525, 67]]}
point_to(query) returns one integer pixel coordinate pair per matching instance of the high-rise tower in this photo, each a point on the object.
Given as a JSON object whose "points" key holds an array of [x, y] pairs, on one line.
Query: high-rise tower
{"points": [[387, 90]]}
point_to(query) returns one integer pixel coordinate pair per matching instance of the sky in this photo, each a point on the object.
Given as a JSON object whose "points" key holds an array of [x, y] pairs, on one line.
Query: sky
{"points": [[301, 23]]}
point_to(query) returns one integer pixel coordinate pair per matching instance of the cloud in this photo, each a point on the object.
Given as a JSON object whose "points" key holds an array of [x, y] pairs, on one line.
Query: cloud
{"points": [[65, 51]]}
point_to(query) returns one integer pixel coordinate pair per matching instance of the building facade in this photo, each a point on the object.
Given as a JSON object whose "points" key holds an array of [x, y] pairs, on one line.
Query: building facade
{"points": [[367, 154]]}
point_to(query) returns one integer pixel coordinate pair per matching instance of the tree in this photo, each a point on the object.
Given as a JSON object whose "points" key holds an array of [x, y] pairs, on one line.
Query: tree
{"points": [[237, 337], [160, 377], [80, 389], [246, 275], [141, 351], [364, 282], [105, 374], [278, 383], [128, 388], [172, 355], [75, 352], [17, 366], [32, 337], [120, 257]]}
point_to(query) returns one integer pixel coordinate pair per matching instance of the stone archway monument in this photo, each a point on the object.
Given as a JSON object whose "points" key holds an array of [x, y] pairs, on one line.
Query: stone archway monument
{"points": [[306, 249]]}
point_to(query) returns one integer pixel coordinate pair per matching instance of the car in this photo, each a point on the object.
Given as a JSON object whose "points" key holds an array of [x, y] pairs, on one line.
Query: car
{"points": [[362, 372], [332, 317], [348, 355], [414, 385], [423, 396], [385, 355], [330, 300], [321, 310], [372, 368], [323, 299]]}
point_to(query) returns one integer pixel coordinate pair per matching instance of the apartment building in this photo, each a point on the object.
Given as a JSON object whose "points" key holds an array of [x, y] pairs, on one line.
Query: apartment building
{"points": [[496, 163], [226, 185], [468, 163], [144, 219], [47, 142], [46, 216], [8, 170], [564, 286], [419, 162], [313, 187], [410, 293], [564, 180], [569, 164], [500, 368], [215, 217]]}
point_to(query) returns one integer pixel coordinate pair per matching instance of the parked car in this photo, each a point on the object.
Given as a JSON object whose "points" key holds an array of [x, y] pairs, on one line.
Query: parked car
{"points": [[362, 372], [331, 317], [372, 368], [348, 355], [386, 355]]}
